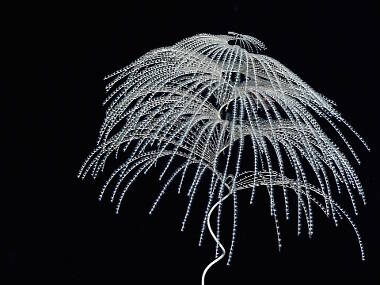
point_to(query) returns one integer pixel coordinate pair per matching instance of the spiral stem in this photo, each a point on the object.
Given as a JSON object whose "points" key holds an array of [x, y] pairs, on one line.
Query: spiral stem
{"points": [[214, 237]]}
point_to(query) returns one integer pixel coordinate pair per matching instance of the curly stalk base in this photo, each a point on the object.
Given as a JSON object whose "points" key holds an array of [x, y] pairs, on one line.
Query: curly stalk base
{"points": [[214, 237]]}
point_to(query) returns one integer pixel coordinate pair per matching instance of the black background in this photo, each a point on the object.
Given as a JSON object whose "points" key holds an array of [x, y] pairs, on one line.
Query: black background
{"points": [[57, 230]]}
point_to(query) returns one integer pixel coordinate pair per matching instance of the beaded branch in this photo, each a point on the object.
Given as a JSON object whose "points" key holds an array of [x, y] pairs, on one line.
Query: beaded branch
{"points": [[213, 103]]}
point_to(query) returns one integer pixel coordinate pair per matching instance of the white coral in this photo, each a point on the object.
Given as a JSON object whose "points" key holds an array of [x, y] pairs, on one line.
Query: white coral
{"points": [[198, 99]]}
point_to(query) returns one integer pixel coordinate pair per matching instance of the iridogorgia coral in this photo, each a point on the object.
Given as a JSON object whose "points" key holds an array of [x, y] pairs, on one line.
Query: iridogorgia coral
{"points": [[239, 119]]}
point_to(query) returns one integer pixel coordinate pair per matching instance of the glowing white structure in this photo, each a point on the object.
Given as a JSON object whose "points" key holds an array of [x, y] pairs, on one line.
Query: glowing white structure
{"points": [[207, 101]]}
